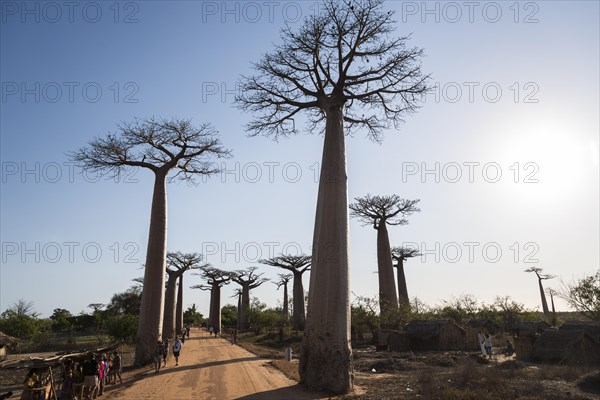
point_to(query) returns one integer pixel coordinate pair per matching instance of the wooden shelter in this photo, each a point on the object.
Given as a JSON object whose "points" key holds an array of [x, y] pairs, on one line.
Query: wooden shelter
{"points": [[472, 329], [591, 327], [567, 347], [6, 340], [45, 386], [438, 334], [392, 340], [529, 328]]}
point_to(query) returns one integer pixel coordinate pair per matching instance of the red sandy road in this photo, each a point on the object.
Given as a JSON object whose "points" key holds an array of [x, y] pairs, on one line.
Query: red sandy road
{"points": [[211, 368]]}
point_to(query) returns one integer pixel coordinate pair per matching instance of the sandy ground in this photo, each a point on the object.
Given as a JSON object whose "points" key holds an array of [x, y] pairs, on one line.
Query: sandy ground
{"points": [[210, 368]]}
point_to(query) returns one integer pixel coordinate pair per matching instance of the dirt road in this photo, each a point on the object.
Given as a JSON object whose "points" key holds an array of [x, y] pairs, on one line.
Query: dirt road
{"points": [[211, 368]]}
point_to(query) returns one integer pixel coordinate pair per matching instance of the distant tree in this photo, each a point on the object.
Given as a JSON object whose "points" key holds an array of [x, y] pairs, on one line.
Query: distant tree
{"points": [[177, 264], [229, 316], [248, 280], [297, 265], [161, 146], [20, 320], [542, 277], [343, 69], [584, 295], [401, 254], [365, 317], [192, 317], [215, 279], [381, 211], [61, 319], [123, 327], [237, 294], [284, 279], [129, 302]]}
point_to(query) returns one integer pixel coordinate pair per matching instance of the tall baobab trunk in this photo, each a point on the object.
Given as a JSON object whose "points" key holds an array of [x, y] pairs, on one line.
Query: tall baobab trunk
{"points": [[388, 301], [215, 307], [326, 359], [286, 312], [544, 302], [211, 307], [245, 307], [299, 317], [153, 292], [169, 315], [553, 320], [239, 312], [179, 309], [402, 288]]}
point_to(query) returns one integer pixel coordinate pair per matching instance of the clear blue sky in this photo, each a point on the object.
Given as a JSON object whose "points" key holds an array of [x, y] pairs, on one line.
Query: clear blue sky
{"points": [[517, 95]]}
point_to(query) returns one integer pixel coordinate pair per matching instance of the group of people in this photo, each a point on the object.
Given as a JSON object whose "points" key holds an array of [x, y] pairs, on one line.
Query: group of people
{"points": [[161, 351], [485, 344], [93, 374]]}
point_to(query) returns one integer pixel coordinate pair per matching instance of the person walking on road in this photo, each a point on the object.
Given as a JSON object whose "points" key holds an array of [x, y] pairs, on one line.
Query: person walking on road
{"points": [[158, 355], [176, 349]]}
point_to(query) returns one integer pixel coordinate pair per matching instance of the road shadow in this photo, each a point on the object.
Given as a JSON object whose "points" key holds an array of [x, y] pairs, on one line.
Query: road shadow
{"points": [[297, 391]]}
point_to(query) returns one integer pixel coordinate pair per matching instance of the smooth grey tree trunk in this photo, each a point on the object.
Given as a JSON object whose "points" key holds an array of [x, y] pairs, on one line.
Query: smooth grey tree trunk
{"points": [[211, 307], [215, 307], [544, 302], [153, 292], [299, 317], [169, 314], [326, 358], [402, 288], [239, 312], [286, 312], [179, 309], [245, 307], [388, 300]]}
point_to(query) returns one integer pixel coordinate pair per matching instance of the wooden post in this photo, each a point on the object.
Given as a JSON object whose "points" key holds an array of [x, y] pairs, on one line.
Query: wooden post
{"points": [[52, 384]]}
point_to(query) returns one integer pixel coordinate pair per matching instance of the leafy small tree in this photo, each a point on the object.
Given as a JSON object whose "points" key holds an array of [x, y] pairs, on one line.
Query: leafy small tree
{"points": [[20, 320], [123, 327], [192, 317], [229, 316], [61, 319], [584, 295]]}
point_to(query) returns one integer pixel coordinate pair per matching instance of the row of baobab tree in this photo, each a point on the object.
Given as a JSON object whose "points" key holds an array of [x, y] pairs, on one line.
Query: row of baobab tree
{"points": [[345, 70]]}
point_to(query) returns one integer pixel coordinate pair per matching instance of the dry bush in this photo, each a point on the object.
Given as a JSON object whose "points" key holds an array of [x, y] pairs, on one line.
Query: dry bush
{"points": [[590, 382], [289, 369]]}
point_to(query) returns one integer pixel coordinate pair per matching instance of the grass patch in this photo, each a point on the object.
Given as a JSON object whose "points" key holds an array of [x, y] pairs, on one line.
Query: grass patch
{"points": [[289, 369]]}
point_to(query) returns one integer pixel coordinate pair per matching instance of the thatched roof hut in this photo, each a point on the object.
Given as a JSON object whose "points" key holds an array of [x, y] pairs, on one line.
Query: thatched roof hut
{"points": [[438, 334], [591, 327], [566, 347], [529, 328]]}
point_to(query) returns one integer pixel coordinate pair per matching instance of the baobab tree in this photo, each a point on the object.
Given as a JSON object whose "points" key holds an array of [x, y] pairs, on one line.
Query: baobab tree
{"points": [[284, 279], [161, 146], [177, 264], [344, 71], [381, 211], [215, 279], [297, 265], [552, 293], [542, 277], [401, 254], [248, 280], [237, 293]]}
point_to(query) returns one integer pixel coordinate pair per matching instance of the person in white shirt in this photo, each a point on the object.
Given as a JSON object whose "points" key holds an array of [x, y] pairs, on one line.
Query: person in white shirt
{"points": [[176, 349], [481, 341]]}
